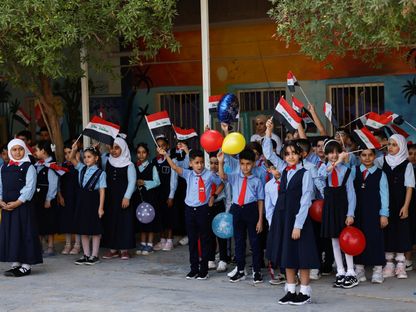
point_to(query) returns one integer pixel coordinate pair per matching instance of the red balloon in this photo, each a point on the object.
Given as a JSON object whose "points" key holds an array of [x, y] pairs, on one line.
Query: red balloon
{"points": [[352, 241], [211, 140], [315, 210]]}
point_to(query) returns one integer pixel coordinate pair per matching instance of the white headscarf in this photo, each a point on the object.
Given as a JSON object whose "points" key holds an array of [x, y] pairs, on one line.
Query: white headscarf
{"points": [[125, 158], [394, 160], [19, 142]]}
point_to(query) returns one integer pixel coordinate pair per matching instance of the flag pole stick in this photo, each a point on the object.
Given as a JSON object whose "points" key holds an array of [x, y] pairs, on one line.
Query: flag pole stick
{"points": [[307, 100], [354, 120], [76, 141], [410, 125]]}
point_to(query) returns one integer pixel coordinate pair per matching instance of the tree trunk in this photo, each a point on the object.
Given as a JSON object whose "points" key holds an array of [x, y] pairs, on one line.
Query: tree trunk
{"points": [[46, 99]]}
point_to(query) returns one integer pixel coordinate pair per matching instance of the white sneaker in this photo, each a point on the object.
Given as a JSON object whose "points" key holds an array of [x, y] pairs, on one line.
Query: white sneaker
{"points": [[168, 246], [314, 274], [360, 274], [184, 241], [222, 266], [211, 265], [159, 246], [401, 270], [232, 273], [377, 277], [388, 270]]}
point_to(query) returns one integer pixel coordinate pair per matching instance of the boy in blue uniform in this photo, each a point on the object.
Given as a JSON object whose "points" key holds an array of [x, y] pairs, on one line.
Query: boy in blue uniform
{"points": [[247, 211], [198, 193]]}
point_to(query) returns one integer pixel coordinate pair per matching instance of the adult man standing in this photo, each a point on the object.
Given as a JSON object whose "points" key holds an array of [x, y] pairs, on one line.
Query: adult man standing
{"points": [[261, 132]]}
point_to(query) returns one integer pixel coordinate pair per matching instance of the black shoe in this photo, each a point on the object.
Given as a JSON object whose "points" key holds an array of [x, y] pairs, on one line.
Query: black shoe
{"points": [[289, 298], [238, 276], [192, 275], [202, 276], [339, 281], [92, 260], [350, 282], [82, 260], [301, 299], [11, 271], [21, 272], [257, 278]]}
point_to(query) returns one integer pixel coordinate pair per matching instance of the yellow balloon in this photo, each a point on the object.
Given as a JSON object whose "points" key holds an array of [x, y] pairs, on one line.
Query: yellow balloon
{"points": [[233, 143]]}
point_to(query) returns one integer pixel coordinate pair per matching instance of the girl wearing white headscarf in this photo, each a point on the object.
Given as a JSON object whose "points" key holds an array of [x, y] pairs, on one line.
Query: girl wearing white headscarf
{"points": [[401, 180], [19, 241], [119, 214]]}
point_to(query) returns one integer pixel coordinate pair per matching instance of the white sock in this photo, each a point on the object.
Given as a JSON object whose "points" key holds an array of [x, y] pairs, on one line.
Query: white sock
{"points": [[15, 265], [400, 257], [338, 257], [389, 256], [26, 266], [377, 269], [150, 244], [169, 240], [350, 265], [306, 290], [359, 267], [291, 288], [143, 243], [163, 240]]}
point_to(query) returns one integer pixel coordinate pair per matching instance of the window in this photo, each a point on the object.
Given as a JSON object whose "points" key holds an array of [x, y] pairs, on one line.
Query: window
{"points": [[183, 109], [350, 101], [260, 100]]}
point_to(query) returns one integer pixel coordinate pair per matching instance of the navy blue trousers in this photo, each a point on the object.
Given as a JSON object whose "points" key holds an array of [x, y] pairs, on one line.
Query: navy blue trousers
{"points": [[245, 219], [198, 227]]}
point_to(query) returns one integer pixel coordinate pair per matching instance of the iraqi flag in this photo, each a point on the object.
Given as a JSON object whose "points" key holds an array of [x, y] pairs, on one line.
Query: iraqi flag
{"points": [[159, 124], [394, 129], [101, 130], [330, 114], [213, 101], [377, 121], [22, 117], [57, 168], [397, 119], [184, 134], [366, 138], [291, 81], [287, 116], [297, 105]]}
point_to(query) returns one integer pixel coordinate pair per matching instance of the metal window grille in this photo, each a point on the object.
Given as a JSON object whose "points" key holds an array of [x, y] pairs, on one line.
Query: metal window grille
{"points": [[261, 100], [350, 101], [183, 109]]}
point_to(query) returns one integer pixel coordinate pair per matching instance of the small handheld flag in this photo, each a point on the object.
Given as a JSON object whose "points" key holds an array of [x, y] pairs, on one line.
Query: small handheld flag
{"points": [[184, 134], [57, 168], [159, 123], [101, 130], [287, 115], [22, 117], [213, 101], [291, 81], [366, 138], [330, 115], [297, 105]]}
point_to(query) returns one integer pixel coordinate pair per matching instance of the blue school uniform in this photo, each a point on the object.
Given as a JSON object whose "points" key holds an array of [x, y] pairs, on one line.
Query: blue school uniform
{"points": [[372, 202], [69, 187], [339, 201], [119, 222], [295, 197], [91, 180], [245, 218], [19, 237], [197, 217], [46, 190]]}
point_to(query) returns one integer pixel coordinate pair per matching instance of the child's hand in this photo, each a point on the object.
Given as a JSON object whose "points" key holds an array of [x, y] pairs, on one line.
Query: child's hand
{"points": [[220, 157], [140, 182], [295, 233], [384, 221], [61, 200], [185, 148], [211, 201], [47, 204], [125, 203], [75, 146], [311, 108], [169, 202], [100, 212], [2, 204], [12, 205], [224, 128], [349, 221], [269, 127], [404, 212], [259, 226], [161, 151]]}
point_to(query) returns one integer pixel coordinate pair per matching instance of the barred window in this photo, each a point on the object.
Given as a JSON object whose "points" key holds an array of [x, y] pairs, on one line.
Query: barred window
{"points": [[261, 100], [183, 108], [350, 101]]}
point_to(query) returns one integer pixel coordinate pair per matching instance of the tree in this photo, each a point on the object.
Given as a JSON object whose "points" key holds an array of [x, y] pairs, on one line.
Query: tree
{"points": [[40, 40], [364, 27]]}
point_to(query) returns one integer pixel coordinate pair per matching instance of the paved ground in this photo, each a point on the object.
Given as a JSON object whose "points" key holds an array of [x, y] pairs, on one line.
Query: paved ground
{"points": [[157, 283]]}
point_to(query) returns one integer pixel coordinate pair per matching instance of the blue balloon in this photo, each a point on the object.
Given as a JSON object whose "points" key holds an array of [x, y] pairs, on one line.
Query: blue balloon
{"points": [[222, 225], [145, 212], [228, 108]]}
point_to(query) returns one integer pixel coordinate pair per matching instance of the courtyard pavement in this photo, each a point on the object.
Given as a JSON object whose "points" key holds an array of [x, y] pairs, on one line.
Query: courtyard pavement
{"points": [[157, 283]]}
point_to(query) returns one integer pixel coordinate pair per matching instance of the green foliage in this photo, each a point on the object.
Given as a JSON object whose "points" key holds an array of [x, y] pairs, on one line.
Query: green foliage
{"points": [[365, 27], [44, 37]]}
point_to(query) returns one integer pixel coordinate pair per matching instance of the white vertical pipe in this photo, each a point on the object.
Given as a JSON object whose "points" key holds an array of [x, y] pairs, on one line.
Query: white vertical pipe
{"points": [[206, 82], [85, 98]]}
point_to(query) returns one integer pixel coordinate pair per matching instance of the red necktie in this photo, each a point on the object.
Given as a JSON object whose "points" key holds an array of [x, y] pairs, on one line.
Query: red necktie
{"points": [[41, 162], [160, 157], [320, 163], [138, 163], [213, 189], [201, 190], [278, 185], [291, 168], [13, 163], [242, 192], [267, 177], [334, 177], [365, 174]]}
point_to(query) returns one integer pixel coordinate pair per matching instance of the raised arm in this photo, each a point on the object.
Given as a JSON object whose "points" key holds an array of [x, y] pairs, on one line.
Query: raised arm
{"points": [[221, 172], [175, 167], [316, 120], [72, 157]]}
